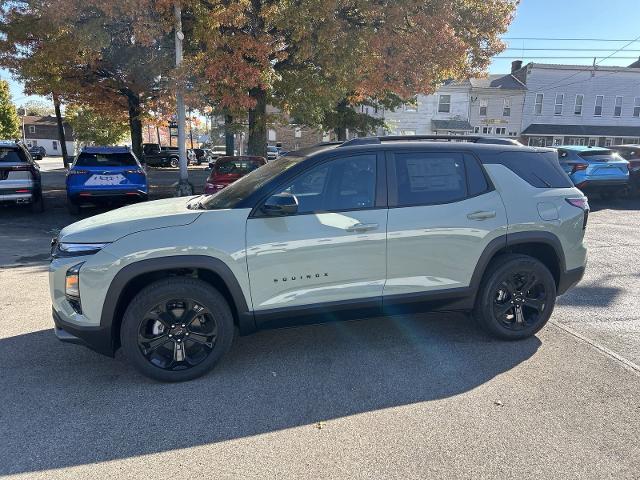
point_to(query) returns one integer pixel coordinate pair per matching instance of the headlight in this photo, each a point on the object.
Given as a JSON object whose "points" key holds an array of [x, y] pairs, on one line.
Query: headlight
{"points": [[73, 249], [72, 281]]}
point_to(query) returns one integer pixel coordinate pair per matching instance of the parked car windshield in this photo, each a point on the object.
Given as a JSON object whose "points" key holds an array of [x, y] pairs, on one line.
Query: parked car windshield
{"points": [[106, 160], [237, 166], [238, 191], [11, 155]]}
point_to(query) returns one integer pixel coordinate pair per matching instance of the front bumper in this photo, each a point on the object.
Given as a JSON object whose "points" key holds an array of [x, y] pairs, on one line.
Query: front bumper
{"points": [[97, 338]]}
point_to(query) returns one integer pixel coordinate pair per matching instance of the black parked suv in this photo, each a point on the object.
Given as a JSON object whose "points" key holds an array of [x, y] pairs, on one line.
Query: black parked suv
{"points": [[155, 155], [37, 152]]}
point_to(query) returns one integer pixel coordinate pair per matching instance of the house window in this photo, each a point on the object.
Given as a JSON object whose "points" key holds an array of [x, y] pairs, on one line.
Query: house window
{"points": [[297, 133], [513, 134], [476, 129], [577, 110], [597, 110], [636, 107], [506, 107], [411, 107], [537, 109], [617, 109], [487, 130], [559, 103], [272, 135], [484, 103], [32, 129], [54, 143], [501, 131], [444, 104]]}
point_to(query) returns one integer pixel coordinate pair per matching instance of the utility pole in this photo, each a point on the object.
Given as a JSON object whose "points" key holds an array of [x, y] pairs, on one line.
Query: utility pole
{"points": [[183, 187]]}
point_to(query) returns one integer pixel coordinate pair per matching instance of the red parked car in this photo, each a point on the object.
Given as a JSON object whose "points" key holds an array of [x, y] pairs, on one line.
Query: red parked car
{"points": [[227, 170]]}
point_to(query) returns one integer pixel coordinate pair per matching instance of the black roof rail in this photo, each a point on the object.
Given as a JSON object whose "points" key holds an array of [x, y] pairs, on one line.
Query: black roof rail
{"points": [[410, 138]]}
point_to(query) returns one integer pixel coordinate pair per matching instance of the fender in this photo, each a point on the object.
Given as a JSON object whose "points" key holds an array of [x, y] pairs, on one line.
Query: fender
{"points": [[246, 322]]}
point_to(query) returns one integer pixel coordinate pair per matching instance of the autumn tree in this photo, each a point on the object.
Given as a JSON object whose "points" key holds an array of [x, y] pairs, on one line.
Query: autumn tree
{"points": [[9, 121]]}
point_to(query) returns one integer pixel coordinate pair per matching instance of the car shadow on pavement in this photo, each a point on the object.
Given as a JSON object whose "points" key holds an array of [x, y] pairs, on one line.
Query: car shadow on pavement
{"points": [[621, 203], [63, 405]]}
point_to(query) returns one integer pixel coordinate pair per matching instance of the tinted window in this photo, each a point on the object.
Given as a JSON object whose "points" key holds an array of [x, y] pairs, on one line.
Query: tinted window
{"points": [[430, 178], [238, 167], [12, 155], [341, 184], [106, 160], [598, 156], [476, 180], [540, 169]]}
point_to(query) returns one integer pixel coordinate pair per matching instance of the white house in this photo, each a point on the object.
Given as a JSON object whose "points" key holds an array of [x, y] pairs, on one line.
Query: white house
{"points": [[43, 131], [580, 105]]}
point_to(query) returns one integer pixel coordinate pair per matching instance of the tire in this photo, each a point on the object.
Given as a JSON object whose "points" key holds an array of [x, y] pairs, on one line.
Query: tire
{"points": [[174, 162], [74, 208], [37, 206], [160, 360], [502, 289]]}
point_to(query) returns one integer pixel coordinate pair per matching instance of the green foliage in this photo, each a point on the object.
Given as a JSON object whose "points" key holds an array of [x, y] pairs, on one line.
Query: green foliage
{"points": [[37, 108], [9, 121], [95, 128]]}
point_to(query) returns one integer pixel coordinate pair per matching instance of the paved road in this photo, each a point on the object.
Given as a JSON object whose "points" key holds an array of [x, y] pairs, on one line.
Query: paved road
{"points": [[406, 397]]}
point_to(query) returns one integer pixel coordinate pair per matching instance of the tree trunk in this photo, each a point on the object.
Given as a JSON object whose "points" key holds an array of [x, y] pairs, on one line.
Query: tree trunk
{"points": [[229, 135], [61, 136], [135, 123], [341, 128], [258, 123]]}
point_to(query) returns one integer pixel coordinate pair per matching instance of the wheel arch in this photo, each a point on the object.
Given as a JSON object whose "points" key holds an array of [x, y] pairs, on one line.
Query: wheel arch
{"points": [[134, 277], [543, 246]]}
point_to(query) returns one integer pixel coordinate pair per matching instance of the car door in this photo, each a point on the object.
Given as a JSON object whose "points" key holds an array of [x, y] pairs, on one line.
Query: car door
{"points": [[443, 212], [331, 253]]}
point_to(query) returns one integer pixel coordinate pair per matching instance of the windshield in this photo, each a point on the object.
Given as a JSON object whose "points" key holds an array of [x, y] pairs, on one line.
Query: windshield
{"points": [[238, 191], [11, 155], [237, 167], [106, 160]]}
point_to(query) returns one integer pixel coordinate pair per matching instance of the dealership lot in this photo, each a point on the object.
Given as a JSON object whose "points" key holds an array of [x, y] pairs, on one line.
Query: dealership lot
{"points": [[401, 397]]}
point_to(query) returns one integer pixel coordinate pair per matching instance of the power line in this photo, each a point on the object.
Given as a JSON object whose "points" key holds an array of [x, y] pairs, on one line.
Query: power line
{"points": [[568, 57], [566, 49]]}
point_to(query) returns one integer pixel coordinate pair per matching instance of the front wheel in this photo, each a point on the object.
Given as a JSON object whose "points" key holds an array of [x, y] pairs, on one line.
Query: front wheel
{"points": [[516, 298], [176, 329], [174, 162]]}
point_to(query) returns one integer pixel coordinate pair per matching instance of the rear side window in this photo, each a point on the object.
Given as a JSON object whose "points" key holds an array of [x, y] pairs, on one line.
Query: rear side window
{"points": [[106, 160], [540, 169], [12, 155], [428, 178]]}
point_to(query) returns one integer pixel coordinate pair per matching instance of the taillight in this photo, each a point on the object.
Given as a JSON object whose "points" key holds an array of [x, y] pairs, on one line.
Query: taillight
{"points": [[580, 202], [78, 172], [576, 167], [20, 168]]}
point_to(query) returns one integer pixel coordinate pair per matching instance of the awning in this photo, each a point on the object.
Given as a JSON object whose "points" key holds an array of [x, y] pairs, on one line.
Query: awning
{"points": [[582, 130], [461, 125]]}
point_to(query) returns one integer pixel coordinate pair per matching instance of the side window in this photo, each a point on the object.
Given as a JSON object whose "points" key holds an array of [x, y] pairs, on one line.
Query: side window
{"points": [[430, 178], [476, 180], [342, 184]]}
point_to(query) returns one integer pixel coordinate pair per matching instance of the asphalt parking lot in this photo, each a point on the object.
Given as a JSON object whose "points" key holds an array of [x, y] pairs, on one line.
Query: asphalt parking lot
{"points": [[426, 396]]}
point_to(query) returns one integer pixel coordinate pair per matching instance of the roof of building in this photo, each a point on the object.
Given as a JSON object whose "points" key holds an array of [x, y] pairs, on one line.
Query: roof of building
{"points": [[586, 68], [48, 120], [502, 81], [582, 130], [451, 125]]}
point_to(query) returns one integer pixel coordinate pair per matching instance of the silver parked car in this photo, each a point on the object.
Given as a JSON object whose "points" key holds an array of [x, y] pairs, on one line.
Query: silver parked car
{"points": [[19, 176]]}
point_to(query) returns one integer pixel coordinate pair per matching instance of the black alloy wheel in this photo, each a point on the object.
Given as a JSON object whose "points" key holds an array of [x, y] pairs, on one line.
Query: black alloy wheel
{"points": [[176, 329], [516, 297], [178, 334]]}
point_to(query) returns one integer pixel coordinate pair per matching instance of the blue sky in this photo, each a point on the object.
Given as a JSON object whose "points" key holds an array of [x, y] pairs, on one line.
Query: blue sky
{"points": [[610, 19]]}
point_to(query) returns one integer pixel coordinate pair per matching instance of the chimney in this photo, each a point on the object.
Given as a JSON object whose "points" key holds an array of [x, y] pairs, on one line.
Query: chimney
{"points": [[516, 65]]}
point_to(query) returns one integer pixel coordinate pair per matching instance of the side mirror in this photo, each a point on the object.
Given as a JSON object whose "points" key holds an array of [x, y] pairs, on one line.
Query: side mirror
{"points": [[280, 205]]}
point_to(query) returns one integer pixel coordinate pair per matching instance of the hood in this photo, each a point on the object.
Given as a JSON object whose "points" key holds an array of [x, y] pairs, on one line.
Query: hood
{"points": [[110, 226]]}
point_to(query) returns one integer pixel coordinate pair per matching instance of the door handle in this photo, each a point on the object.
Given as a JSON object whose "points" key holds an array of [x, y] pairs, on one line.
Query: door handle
{"points": [[362, 227], [482, 215]]}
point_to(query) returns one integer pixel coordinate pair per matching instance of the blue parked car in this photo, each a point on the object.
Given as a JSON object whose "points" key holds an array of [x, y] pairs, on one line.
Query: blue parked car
{"points": [[595, 169], [102, 175]]}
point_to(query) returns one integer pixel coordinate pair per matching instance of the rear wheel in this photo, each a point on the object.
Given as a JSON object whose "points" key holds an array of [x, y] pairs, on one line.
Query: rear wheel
{"points": [[174, 162], [176, 329], [516, 297]]}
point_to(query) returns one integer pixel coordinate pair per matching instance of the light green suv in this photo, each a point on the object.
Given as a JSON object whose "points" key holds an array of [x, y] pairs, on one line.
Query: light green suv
{"points": [[372, 226]]}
